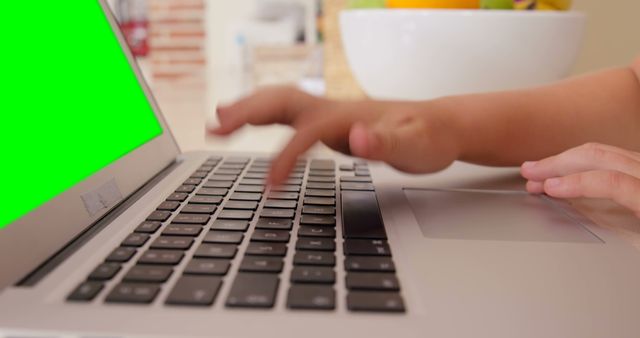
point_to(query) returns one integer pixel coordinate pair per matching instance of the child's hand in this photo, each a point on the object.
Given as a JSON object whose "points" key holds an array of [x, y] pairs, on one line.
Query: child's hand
{"points": [[591, 170], [401, 134]]}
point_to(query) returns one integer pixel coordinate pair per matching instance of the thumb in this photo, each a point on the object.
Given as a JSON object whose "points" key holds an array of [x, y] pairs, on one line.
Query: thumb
{"points": [[407, 146], [388, 144]]}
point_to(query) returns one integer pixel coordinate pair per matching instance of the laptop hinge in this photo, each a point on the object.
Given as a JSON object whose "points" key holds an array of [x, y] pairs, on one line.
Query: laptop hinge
{"points": [[92, 230]]}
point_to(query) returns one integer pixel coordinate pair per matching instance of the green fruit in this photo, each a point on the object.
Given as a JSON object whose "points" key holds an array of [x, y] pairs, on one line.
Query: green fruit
{"points": [[496, 4], [366, 4]]}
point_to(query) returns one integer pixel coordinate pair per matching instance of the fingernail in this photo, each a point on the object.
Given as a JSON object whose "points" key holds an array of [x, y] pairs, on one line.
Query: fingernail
{"points": [[529, 164], [553, 182]]}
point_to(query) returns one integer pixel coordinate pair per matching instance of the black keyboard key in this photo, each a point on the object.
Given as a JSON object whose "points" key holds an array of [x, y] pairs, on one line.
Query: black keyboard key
{"points": [[223, 178], [224, 237], [372, 281], [186, 188], [278, 213], [207, 209], [320, 193], [230, 225], [228, 171], [133, 293], [277, 236], [238, 160], [253, 290], [159, 216], [148, 274], [195, 291], [286, 188], [192, 230], [318, 210], [318, 220], [322, 173], [172, 243], [324, 201], [241, 205], [205, 200], [212, 192], [266, 249], [316, 231], [86, 291], [121, 255], [199, 174], [193, 181], [274, 223], [236, 214], [178, 197], [161, 257], [202, 266], [246, 196], [375, 301], [148, 227], [105, 271], [363, 173], [135, 240], [253, 181], [318, 244], [169, 206], [357, 186], [369, 264], [250, 188], [359, 179], [261, 264], [258, 169], [317, 258], [361, 215], [207, 250], [321, 179], [259, 175], [311, 297], [218, 184], [292, 196], [322, 164], [366, 247], [191, 219], [321, 186], [280, 204], [313, 274]]}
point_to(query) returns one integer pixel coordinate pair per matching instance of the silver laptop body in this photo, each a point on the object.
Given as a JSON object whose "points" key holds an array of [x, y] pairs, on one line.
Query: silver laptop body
{"points": [[474, 256]]}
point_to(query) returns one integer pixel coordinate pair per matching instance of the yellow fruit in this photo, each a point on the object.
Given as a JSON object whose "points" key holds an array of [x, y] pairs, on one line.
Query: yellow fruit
{"points": [[553, 5], [461, 4]]}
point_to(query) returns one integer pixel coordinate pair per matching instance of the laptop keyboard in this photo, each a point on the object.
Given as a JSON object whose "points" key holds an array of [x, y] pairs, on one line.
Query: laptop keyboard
{"points": [[222, 205]]}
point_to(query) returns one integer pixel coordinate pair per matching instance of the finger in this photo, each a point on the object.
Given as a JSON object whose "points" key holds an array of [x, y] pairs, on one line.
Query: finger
{"points": [[305, 137], [620, 187], [587, 157], [267, 106], [534, 187]]}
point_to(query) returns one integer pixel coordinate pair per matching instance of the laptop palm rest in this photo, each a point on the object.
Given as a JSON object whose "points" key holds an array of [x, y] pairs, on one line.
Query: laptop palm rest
{"points": [[494, 215]]}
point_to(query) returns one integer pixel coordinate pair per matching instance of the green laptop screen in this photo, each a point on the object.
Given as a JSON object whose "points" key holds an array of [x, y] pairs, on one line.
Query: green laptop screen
{"points": [[71, 104]]}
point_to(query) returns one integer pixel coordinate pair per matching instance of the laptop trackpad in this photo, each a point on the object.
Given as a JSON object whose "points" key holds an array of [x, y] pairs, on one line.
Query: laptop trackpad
{"points": [[494, 215]]}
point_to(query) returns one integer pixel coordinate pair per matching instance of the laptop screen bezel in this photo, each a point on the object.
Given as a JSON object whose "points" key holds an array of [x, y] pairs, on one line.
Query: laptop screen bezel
{"points": [[26, 243]]}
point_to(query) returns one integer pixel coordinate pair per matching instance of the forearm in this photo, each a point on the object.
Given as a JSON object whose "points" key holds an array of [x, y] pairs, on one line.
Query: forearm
{"points": [[508, 128]]}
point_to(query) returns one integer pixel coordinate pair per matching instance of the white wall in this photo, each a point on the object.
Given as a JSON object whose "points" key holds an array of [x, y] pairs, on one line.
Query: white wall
{"points": [[613, 33]]}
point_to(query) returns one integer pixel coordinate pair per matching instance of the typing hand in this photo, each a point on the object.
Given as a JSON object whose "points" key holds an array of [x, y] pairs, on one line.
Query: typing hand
{"points": [[591, 170], [401, 134]]}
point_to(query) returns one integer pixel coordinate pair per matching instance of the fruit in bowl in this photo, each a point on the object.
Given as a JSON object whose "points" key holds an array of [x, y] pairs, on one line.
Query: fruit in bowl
{"points": [[426, 53]]}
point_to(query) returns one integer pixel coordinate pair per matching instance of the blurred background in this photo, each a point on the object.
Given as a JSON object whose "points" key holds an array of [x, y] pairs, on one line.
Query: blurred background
{"points": [[197, 53]]}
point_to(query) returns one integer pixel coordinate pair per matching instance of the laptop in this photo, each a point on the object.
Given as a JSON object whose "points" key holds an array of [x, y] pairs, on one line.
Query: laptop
{"points": [[108, 229]]}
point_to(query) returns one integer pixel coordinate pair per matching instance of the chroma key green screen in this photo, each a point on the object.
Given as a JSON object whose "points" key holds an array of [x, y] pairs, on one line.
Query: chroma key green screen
{"points": [[71, 104]]}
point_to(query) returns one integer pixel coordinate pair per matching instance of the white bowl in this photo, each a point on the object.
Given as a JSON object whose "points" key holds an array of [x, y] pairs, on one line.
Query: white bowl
{"points": [[423, 54]]}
